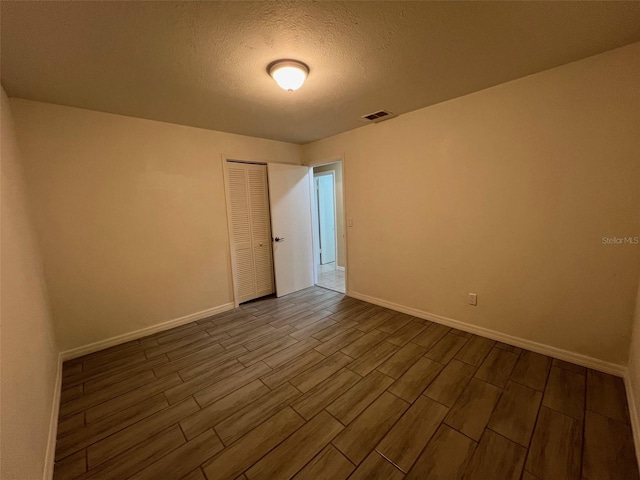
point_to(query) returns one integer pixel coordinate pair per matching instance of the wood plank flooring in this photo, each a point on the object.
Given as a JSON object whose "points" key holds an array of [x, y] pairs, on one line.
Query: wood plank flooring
{"points": [[316, 385]]}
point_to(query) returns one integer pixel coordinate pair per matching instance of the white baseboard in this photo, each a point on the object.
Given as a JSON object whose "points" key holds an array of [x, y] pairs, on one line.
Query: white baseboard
{"points": [[143, 332], [53, 424], [338, 267], [577, 358], [633, 414]]}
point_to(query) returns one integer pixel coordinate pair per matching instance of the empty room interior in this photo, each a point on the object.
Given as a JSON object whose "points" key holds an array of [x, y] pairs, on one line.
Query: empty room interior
{"points": [[320, 240]]}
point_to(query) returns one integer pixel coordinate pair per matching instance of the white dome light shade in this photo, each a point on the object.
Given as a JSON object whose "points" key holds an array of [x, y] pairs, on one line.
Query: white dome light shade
{"points": [[289, 74]]}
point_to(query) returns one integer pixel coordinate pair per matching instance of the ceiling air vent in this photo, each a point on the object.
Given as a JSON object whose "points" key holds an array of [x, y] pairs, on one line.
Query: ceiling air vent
{"points": [[376, 117]]}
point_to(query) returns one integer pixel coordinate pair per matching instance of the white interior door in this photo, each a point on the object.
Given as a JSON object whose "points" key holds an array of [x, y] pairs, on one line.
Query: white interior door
{"points": [[290, 197], [326, 217]]}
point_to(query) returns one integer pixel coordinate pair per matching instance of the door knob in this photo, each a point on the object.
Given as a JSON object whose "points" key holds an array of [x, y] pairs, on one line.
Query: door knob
{"points": [[279, 239]]}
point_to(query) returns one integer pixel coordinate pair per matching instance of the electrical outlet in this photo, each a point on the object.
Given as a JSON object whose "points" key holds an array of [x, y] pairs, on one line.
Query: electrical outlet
{"points": [[350, 222], [473, 299]]}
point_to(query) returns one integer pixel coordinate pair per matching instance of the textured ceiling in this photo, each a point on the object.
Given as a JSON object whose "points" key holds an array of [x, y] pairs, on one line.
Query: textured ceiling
{"points": [[204, 63]]}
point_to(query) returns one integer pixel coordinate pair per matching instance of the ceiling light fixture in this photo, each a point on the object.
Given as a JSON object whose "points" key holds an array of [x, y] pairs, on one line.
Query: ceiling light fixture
{"points": [[288, 74]]}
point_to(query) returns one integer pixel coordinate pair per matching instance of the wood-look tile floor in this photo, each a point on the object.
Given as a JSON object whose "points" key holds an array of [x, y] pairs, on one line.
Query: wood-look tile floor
{"points": [[316, 385]]}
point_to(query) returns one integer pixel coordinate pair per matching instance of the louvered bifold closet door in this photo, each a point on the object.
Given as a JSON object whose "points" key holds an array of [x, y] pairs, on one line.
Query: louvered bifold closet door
{"points": [[251, 233], [241, 231], [260, 229]]}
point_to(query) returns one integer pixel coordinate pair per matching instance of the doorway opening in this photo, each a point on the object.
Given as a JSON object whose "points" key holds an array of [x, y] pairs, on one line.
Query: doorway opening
{"points": [[328, 227]]}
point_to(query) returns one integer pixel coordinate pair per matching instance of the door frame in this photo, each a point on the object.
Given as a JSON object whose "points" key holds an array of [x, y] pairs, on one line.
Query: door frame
{"points": [[232, 259], [317, 232], [339, 158]]}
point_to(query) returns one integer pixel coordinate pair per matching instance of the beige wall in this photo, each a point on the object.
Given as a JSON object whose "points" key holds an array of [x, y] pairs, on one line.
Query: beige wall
{"points": [[131, 215], [341, 254], [507, 193], [29, 355]]}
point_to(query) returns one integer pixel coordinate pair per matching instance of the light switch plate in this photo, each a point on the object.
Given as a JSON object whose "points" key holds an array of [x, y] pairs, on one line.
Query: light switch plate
{"points": [[473, 299]]}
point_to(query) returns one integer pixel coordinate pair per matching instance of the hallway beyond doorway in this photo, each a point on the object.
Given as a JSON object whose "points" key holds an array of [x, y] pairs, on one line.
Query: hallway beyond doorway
{"points": [[331, 277]]}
